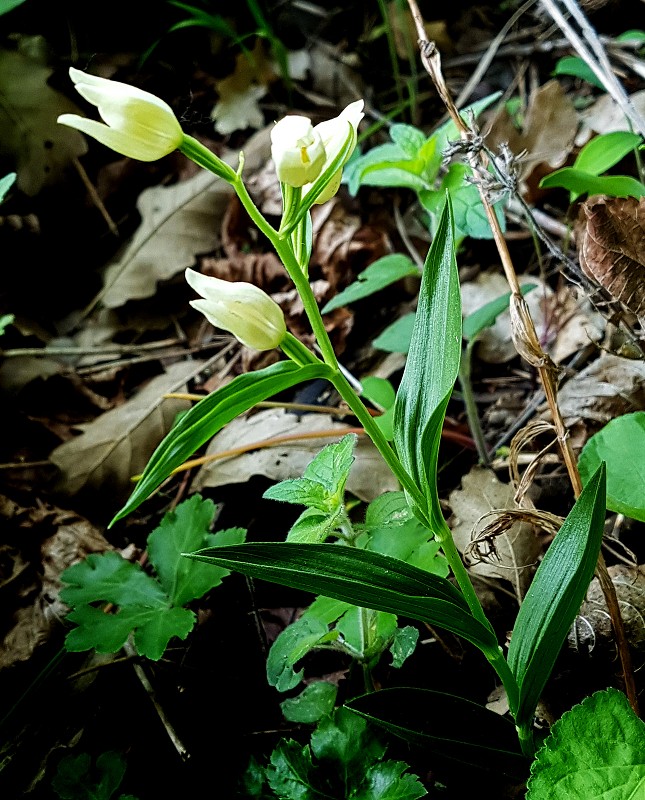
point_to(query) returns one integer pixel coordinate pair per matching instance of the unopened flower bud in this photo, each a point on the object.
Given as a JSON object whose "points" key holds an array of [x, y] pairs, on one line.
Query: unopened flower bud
{"points": [[334, 133], [138, 124], [297, 151], [239, 308]]}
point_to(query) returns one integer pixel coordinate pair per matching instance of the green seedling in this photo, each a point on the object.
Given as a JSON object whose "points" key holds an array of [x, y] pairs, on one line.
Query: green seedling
{"points": [[389, 528], [596, 157], [413, 160]]}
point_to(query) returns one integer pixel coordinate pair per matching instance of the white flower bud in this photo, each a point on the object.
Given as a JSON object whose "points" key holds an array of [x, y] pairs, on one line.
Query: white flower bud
{"points": [[138, 124], [240, 308], [334, 133], [297, 151]]}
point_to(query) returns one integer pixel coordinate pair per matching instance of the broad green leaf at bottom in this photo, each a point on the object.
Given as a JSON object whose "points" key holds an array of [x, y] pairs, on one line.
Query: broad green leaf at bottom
{"points": [[596, 751]]}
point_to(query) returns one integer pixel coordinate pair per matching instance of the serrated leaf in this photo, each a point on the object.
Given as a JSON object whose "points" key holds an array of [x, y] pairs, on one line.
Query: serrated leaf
{"points": [[293, 643], [300, 491], [326, 609], [290, 773], [109, 578], [331, 466], [383, 272], [408, 138], [390, 508], [386, 781], [210, 415], [596, 750], [410, 541], [403, 645], [452, 728], [621, 445], [76, 780], [107, 633], [311, 704], [358, 577], [555, 596], [433, 363], [183, 530], [151, 638], [345, 739], [312, 527], [396, 337]]}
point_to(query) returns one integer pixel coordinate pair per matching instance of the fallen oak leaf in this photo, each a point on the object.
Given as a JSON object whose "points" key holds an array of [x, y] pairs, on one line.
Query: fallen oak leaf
{"points": [[611, 248], [119, 443]]}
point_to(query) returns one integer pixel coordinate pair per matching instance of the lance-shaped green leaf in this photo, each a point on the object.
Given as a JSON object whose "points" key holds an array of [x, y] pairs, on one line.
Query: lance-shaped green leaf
{"points": [[210, 415], [431, 368], [363, 578], [449, 727], [555, 595]]}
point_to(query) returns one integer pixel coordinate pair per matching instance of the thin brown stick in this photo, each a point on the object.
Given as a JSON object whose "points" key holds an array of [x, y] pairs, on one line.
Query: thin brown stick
{"points": [[525, 336]]}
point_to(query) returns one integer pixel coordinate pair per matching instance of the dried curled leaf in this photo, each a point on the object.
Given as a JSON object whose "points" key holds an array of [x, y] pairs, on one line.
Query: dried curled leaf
{"points": [[612, 248]]}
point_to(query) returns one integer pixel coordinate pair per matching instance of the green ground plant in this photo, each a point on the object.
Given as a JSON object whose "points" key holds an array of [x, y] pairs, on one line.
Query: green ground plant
{"points": [[380, 578]]}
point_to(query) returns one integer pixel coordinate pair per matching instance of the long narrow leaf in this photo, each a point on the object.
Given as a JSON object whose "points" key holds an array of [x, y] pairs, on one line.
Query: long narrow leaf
{"points": [[366, 579], [210, 415], [450, 727], [432, 366], [555, 595]]}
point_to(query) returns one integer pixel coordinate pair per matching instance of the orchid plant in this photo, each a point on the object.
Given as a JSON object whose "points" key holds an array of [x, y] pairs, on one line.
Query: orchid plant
{"points": [[309, 161]]}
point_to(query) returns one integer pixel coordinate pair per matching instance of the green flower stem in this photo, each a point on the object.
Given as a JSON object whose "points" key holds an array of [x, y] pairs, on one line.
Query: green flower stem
{"points": [[201, 155], [346, 391], [527, 742]]}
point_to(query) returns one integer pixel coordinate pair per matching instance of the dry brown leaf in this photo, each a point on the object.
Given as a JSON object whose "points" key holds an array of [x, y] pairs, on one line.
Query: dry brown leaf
{"points": [[177, 222], [606, 116], [517, 551], [38, 607], [611, 248], [369, 477], [237, 107], [118, 444], [548, 134], [608, 387], [29, 134]]}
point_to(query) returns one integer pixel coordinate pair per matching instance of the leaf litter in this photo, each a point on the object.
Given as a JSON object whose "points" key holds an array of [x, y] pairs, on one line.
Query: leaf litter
{"points": [[348, 236]]}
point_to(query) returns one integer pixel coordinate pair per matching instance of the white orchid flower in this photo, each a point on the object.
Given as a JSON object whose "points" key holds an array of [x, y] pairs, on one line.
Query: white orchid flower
{"points": [[303, 152], [239, 308], [138, 124]]}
